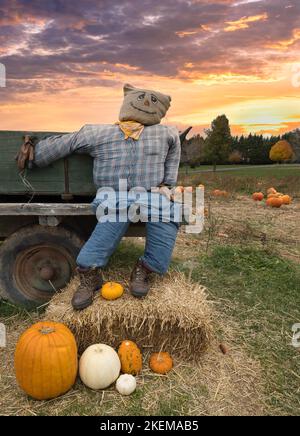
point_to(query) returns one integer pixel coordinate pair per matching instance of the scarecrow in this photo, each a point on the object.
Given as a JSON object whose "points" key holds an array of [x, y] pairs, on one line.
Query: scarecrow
{"points": [[143, 153]]}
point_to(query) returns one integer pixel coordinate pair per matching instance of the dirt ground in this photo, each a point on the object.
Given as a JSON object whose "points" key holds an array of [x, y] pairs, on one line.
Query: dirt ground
{"points": [[239, 220]]}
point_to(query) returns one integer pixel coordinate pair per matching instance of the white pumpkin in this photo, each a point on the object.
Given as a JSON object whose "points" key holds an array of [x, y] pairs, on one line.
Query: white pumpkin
{"points": [[126, 384], [99, 366]]}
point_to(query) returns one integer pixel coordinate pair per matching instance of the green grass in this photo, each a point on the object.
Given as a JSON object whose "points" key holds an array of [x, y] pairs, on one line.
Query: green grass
{"points": [[246, 170], [277, 172], [247, 181], [126, 255], [263, 292], [9, 310]]}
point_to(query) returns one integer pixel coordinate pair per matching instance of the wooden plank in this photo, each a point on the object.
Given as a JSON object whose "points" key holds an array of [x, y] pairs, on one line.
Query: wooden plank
{"points": [[45, 209]]}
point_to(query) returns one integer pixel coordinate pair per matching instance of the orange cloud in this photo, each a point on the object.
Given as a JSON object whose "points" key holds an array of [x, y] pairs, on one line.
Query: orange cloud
{"points": [[286, 43], [190, 32], [243, 23], [273, 129], [225, 77], [127, 67], [185, 33], [18, 18]]}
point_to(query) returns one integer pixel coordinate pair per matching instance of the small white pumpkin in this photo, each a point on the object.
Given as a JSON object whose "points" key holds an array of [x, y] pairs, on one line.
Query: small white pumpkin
{"points": [[126, 384], [99, 366]]}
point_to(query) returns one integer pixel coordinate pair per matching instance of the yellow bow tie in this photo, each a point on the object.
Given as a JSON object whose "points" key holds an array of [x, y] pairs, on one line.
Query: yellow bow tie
{"points": [[131, 129]]}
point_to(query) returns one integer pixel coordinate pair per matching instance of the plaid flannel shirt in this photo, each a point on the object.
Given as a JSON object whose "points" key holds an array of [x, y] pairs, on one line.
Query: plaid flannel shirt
{"points": [[149, 162]]}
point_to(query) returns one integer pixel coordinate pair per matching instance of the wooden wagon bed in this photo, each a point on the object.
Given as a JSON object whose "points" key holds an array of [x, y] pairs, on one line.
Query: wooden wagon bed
{"points": [[70, 176]]}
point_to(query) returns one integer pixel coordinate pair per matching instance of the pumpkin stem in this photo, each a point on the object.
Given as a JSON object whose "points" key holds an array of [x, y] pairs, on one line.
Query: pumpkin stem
{"points": [[47, 330]]}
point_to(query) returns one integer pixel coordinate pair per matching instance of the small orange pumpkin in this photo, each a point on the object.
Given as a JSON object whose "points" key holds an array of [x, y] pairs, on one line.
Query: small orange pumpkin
{"points": [[286, 199], [112, 291], [46, 361], [161, 363], [131, 358], [217, 193], [224, 194], [258, 196], [275, 202]]}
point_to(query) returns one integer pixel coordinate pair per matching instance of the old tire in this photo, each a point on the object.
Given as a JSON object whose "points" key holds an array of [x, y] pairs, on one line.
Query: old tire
{"points": [[36, 262]]}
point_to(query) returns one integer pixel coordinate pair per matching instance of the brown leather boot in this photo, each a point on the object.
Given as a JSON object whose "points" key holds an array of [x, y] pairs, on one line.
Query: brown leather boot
{"points": [[140, 280], [90, 281]]}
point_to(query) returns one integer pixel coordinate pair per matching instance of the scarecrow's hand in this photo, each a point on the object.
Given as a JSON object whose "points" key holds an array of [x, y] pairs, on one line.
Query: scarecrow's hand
{"points": [[26, 154], [167, 191]]}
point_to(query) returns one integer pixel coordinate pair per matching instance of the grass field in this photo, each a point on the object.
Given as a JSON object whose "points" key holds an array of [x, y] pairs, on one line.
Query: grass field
{"points": [[246, 170], [248, 257], [246, 180], [260, 173]]}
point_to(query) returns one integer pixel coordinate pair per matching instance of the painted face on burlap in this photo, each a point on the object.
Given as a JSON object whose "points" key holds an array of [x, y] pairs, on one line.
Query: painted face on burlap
{"points": [[144, 106]]}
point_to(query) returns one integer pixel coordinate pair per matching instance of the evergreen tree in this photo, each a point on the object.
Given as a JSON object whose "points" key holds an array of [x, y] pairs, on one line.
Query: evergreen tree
{"points": [[218, 142]]}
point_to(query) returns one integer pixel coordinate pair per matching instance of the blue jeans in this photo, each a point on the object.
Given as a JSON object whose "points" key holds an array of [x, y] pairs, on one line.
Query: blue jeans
{"points": [[160, 242]]}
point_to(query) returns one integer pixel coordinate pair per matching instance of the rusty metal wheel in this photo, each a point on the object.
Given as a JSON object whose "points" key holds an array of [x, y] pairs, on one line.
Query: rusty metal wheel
{"points": [[36, 262]]}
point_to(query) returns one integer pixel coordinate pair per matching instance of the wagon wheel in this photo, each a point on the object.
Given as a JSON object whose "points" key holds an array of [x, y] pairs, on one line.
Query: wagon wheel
{"points": [[35, 262]]}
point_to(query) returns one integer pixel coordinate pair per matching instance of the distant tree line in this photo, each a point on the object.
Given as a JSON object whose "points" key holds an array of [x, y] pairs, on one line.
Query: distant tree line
{"points": [[220, 147]]}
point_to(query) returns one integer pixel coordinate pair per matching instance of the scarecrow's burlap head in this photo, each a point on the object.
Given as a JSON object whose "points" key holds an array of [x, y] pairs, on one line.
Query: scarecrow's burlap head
{"points": [[144, 106]]}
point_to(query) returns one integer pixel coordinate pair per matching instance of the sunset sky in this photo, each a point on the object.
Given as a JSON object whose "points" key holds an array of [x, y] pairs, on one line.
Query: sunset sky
{"points": [[67, 60]]}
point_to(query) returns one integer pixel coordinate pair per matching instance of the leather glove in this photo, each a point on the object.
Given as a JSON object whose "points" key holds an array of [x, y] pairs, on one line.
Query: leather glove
{"points": [[25, 156]]}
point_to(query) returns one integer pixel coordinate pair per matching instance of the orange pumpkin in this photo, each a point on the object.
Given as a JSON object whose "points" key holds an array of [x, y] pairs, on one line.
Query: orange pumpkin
{"points": [[130, 357], [112, 291], [286, 199], [46, 361], [161, 363], [258, 196], [275, 202], [224, 194]]}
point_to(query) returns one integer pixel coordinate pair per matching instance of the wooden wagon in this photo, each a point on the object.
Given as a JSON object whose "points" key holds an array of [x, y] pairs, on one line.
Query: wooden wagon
{"points": [[45, 217]]}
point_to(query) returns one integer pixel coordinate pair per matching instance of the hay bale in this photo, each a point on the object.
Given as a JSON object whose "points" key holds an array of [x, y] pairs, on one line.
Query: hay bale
{"points": [[176, 316]]}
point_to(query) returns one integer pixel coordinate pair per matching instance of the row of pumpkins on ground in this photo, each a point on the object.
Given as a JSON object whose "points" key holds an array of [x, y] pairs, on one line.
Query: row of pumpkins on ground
{"points": [[274, 199], [46, 363]]}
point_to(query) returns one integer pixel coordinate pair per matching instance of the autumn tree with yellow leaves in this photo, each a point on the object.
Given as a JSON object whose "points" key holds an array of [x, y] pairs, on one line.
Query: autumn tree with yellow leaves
{"points": [[282, 151]]}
